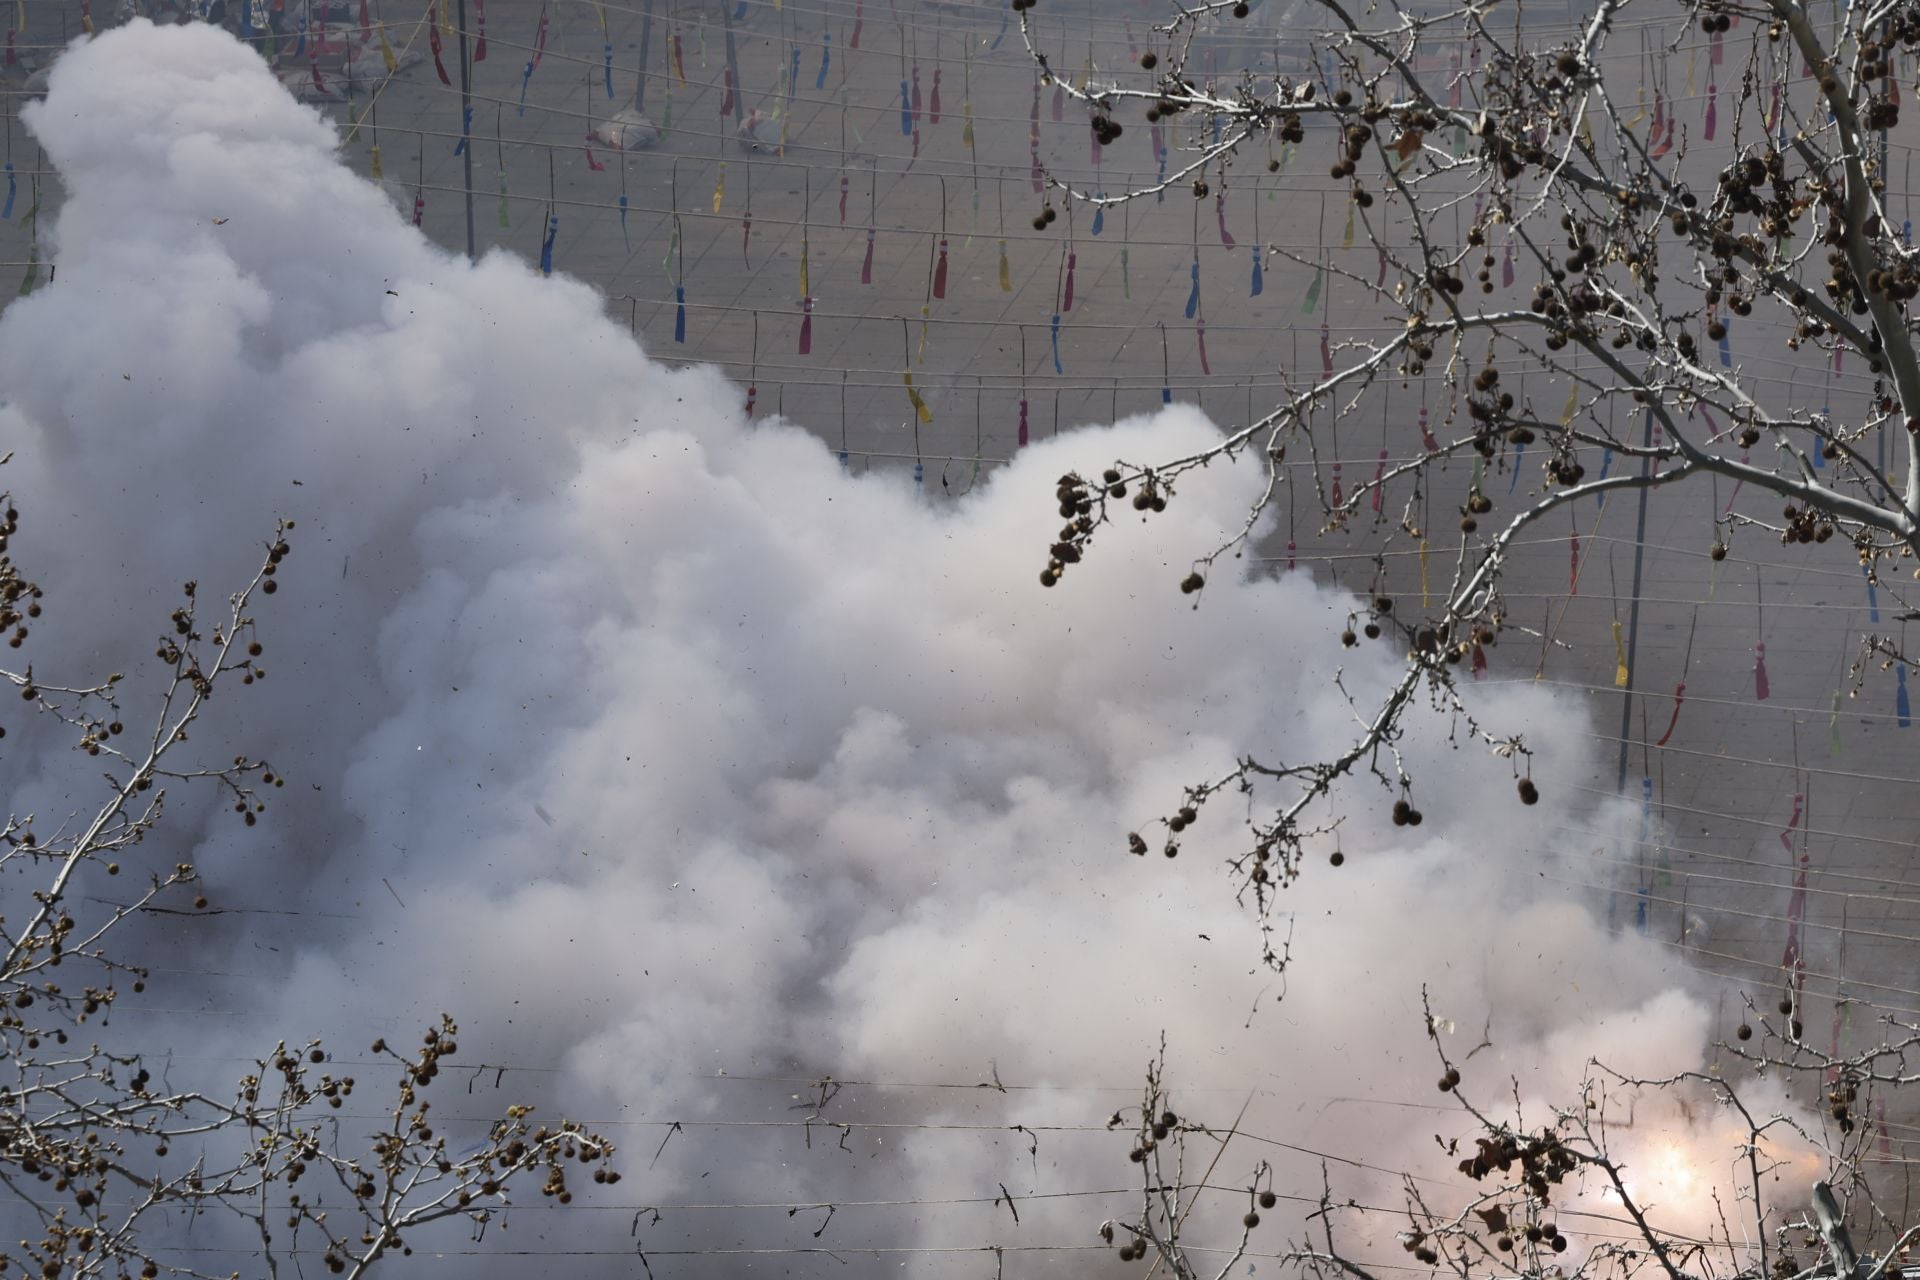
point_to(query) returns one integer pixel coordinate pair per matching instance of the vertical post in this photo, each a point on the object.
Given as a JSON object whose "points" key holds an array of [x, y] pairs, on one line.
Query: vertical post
{"points": [[1633, 642], [466, 125]]}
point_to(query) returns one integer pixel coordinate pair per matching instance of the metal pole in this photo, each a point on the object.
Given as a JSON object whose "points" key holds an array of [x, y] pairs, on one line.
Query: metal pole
{"points": [[1633, 642], [1633, 609], [466, 125]]}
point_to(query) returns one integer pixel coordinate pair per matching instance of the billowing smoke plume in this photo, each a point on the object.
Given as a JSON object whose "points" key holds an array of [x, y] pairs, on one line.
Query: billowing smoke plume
{"points": [[663, 753]]}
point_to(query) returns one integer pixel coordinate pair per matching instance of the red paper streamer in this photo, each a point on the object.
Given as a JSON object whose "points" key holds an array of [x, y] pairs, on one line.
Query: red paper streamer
{"points": [[843, 199], [726, 103], [1679, 696], [806, 326], [866, 266], [480, 31], [933, 103], [940, 273], [1379, 475], [1023, 422]]}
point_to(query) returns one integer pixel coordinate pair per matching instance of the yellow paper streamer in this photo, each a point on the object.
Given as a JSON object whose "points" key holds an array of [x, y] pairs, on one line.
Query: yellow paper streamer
{"points": [[720, 188], [375, 167], [1346, 238], [919, 405], [446, 20], [386, 49], [1573, 405], [1006, 281], [1620, 673]]}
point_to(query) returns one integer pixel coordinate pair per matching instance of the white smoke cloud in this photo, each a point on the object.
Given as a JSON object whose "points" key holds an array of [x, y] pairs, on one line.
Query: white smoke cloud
{"points": [[680, 751]]}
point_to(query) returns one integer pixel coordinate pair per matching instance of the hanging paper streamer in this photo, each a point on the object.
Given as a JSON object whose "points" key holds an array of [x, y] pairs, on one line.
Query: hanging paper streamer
{"points": [[1903, 711], [6, 210], [906, 109], [1713, 108], [1339, 497], [826, 59], [916, 94], [606, 65], [679, 313], [1313, 292], [1033, 138], [1006, 280], [1259, 275], [940, 275], [1573, 561], [300, 39], [466, 133], [1126, 278], [1620, 673], [726, 98], [793, 74], [1001, 34], [419, 205], [806, 326], [480, 31], [673, 42], [1506, 268], [913, 397], [859, 8], [1220, 212], [866, 264], [1056, 344], [1379, 477], [746, 236], [546, 245], [1326, 350], [1193, 297], [1380, 279], [1023, 422], [506, 220], [933, 103], [1099, 214], [624, 238], [1066, 303], [1761, 687], [386, 48], [1200, 341]]}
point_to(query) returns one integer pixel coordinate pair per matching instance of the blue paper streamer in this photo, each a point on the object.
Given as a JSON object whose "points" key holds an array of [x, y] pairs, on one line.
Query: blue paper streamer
{"points": [[1056, 343], [466, 131], [246, 20], [12, 186], [679, 313], [623, 222], [546, 246], [1901, 706], [919, 472], [1100, 215], [1193, 298], [1166, 395], [300, 49], [606, 55], [826, 59], [1606, 465], [1259, 275], [741, 11], [1873, 596], [906, 110], [525, 76], [1005, 17], [845, 463], [1519, 456]]}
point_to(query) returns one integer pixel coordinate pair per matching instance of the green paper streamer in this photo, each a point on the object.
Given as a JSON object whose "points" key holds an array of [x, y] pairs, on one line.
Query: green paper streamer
{"points": [[506, 222], [1313, 293]]}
